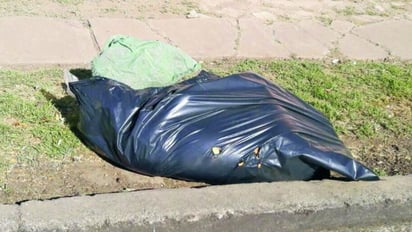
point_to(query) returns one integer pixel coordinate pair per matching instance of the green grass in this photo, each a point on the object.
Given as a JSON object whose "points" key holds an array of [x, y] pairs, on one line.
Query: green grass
{"points": [[70, 2], [369, 9], [326, 20], [31, 122], [365, 101], [347, 11]]}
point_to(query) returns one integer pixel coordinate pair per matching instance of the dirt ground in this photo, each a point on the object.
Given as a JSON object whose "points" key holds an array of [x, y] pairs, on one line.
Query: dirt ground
{"points": [[88, 174], [80, 175]]}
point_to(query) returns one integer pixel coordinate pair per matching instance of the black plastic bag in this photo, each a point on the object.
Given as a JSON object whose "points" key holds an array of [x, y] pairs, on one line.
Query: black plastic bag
{"points": [[240, 128]]}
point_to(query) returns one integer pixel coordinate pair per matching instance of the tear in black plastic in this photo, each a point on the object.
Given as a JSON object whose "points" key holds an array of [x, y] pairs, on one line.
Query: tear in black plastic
{"points": [[240, 128]]}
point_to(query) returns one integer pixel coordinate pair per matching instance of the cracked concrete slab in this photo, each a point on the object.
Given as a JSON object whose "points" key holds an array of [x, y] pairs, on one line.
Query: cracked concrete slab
{"points": [[354, 47], [9, 218], [104, 28], [365, 19], [38, 40], [257, 40], [320, 32], [342, 26], [200, 37], [393, 35], [51, 41], [408, 16], [299, 42]]}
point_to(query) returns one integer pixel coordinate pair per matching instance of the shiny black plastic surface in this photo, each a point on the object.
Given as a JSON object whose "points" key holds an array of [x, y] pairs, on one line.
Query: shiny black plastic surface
{"points": [[240, 128]]}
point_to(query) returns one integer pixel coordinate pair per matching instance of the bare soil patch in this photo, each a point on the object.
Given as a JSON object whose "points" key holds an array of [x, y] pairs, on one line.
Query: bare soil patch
{"points": [[83, 175]]}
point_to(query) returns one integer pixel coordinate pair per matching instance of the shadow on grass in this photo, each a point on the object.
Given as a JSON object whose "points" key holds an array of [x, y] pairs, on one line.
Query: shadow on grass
{"points": [[68, 108], [70, 111], [68, 105], [81, 73]]}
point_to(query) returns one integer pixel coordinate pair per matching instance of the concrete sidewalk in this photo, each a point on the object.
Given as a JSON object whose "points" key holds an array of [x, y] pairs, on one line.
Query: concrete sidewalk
{"points": [[45, 41], [384, 205]]}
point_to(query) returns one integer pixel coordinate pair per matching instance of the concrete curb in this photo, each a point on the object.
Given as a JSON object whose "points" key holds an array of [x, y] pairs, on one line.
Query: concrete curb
{"points": [[278, 206]]}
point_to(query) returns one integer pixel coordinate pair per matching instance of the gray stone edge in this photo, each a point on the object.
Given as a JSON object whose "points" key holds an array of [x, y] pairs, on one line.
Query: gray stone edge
{"points": [[354, 217], [385, 202]]}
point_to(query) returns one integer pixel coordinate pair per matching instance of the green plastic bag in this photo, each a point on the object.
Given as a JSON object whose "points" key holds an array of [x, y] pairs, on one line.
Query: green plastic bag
{"points": [[142, 63]]}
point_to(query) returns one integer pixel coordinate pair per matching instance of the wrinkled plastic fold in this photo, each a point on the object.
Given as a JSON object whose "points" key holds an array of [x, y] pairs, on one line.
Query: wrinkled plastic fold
{"points": [[235, 129]]}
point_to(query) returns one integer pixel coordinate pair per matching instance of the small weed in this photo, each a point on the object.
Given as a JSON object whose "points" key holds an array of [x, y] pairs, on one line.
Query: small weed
{"points": [[70, 2], [4, 188], [269, 21], [380, 172], [347, 11], [397, 7], [110, 10], [371, 10], [284, 18], [325, 20], [189, 4]]}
